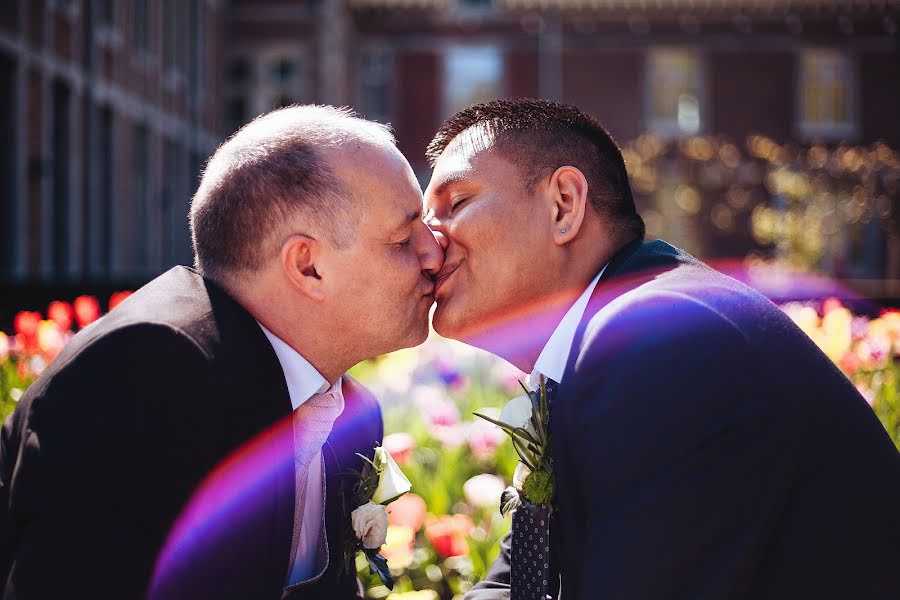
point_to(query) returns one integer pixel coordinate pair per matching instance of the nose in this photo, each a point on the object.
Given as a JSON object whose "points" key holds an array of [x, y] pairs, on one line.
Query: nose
{"points": [[431, 253], [437, 229], [441, 238]]}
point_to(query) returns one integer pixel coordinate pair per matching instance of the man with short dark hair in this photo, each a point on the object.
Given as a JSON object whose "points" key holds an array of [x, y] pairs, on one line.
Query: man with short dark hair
{"points": [[195, 442], [701, 445]]}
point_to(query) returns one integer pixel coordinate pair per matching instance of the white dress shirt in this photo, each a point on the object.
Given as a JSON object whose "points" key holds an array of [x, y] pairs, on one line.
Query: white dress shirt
{"points": [[551, 362], [303, 380]]}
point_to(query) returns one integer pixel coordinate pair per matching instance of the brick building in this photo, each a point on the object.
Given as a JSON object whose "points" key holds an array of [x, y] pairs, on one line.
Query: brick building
{"points": [[112, 106], [789, 69], [108, 110], [799, 71]]}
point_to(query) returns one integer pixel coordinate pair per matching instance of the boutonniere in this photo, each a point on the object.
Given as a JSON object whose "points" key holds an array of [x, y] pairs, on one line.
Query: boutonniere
{"points": [[525, 419], [378, 484]]}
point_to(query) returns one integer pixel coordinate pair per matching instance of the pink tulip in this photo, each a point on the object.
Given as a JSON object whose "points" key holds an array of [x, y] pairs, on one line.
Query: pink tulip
{"points": [[399, 446]]}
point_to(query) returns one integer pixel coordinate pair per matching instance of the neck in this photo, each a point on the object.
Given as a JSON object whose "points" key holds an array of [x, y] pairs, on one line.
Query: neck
{"points": [[300, 327], [520, 335]]}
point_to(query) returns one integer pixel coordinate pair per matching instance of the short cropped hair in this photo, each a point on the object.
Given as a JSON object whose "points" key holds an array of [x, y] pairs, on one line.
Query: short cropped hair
{"points": [[272, 171], [538, 137]]}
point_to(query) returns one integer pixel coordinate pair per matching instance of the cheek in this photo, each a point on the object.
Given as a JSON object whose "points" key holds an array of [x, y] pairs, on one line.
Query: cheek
{"points": [[396, 273]]}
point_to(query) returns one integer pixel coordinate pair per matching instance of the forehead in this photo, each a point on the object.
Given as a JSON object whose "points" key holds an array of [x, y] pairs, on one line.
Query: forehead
{"points": [[471, 158], [462, 152], [382, 182], [378, 175]]}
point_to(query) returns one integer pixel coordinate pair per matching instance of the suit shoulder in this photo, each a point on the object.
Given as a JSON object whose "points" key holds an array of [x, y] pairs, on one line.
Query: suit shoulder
{"points": [[127, 341], [121, 357], [661, 322]]}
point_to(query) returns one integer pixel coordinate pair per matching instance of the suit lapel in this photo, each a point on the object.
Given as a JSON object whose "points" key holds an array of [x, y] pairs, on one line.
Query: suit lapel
{"points": [[246, 350]]}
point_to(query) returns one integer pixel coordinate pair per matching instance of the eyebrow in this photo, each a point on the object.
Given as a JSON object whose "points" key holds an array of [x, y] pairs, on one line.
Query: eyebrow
{"points": [[409, 218], [448, 181]]}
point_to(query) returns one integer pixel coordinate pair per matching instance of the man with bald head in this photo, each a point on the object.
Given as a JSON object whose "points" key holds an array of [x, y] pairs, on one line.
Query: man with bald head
{"points": [[227, 380]]}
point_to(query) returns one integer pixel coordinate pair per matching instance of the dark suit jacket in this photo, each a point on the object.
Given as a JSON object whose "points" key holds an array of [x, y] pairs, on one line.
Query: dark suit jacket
{"points": [[108, 445], [705, 448]]}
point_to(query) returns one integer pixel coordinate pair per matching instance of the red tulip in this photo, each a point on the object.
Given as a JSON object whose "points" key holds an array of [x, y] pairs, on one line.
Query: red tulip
{"points": [[448, 533], [87, 310], [26, 326], [61, 313], [117, 299]]}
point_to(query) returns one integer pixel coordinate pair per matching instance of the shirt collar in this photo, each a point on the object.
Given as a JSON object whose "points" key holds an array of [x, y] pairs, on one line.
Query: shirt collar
{"points": [[303, 380], [551, 362]]}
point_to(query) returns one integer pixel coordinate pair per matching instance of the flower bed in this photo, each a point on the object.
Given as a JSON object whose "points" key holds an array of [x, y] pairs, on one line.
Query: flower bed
{"points": [[443, 536]]}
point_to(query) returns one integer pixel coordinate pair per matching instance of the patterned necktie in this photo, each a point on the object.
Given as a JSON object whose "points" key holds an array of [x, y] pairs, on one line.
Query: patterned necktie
{"points": [[530, 551], [313, 421]]}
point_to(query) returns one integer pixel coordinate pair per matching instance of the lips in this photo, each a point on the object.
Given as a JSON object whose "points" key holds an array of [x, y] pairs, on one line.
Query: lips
{"points": [[443, 275]]}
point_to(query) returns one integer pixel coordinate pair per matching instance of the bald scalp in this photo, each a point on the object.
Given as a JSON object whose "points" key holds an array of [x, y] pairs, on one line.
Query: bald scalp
{"points": [[277, 173]]}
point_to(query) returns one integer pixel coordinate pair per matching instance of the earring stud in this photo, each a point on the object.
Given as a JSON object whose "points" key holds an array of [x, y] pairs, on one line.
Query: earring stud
{"points": [[564, 229]]}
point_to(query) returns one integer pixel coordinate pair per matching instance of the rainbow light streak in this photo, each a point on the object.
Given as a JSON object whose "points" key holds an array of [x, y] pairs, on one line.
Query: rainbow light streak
{"points": [[522, 326], [232, 488], [242, 491]]}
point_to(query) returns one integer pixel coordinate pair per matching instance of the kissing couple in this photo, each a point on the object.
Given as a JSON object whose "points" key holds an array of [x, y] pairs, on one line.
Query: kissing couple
{"points": [[694, 442]]}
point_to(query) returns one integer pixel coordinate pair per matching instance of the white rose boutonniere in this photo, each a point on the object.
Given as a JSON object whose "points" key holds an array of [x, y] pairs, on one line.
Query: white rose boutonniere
{"points": [[378, 484], [370, 523]]}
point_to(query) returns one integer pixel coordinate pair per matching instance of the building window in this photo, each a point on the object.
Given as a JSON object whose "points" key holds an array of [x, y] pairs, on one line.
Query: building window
{"points": [[475, 5], [141, 195], [8, 159], [238, 71], [61, 178], [283, 71], [826, 95], [171, 18], [106, 13], [106, 190], [472, 74], [374, 84], [141, 26], [674, 92], [235, 113]]}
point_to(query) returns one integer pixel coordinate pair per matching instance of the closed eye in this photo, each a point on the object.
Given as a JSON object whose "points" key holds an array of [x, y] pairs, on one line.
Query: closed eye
{"points": [[456, 205]]}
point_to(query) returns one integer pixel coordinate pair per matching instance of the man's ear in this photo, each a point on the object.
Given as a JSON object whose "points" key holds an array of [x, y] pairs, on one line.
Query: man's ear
{"points": [[569, 194], [299, 256]]}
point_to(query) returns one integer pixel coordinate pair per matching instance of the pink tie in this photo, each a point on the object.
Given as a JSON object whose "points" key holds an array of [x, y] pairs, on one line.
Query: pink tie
{"points": [[313, 421]]}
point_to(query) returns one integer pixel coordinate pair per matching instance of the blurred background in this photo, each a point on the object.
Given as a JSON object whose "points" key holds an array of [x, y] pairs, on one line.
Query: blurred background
{"points": [[751, 127], [758, 133]]}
